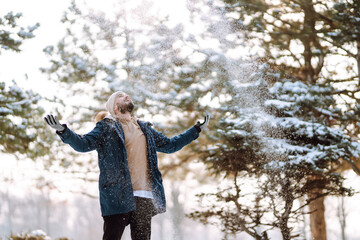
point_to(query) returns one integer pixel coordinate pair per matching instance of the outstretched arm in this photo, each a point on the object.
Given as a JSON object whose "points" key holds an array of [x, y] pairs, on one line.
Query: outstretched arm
{"points": [[170, 145], [80, 143]]}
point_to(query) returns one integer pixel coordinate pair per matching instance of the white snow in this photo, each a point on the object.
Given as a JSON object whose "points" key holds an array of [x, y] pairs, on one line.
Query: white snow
{"points": [[24, 34], [4, 110], [333, 34], [278, 103]]}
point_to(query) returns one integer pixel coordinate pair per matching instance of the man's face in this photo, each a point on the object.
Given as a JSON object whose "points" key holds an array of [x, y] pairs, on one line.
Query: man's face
{"points": [[123, 103]]}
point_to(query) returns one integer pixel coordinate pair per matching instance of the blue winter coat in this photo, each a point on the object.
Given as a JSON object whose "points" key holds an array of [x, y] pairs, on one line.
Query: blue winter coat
{"points": [[107, 138]]}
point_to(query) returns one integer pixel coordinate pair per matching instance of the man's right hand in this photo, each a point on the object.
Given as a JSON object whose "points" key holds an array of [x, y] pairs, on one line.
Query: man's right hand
{"points": [[54, 122]]}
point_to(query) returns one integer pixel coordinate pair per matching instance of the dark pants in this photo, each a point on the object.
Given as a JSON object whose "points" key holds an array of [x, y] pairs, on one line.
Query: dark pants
{"points": [[139, 220]]}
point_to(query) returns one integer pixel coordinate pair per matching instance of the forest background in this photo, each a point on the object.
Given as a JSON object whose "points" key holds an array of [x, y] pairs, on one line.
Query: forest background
{"points": [[280, 79]]}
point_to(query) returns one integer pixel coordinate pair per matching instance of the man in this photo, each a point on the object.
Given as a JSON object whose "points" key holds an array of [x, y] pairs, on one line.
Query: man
{"points": [[130, 183]]}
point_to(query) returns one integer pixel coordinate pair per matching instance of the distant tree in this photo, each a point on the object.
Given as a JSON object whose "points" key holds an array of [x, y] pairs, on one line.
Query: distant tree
{"points": [[345, 37], [20, 114], [12, 35], [140, 54]]}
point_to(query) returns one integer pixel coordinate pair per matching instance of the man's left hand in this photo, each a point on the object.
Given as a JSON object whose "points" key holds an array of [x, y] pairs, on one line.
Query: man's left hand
{"points": [[201, 126]]}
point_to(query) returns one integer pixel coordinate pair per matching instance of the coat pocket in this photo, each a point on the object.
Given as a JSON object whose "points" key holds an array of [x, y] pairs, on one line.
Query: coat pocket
{"points": [[111, 195], [109, 184]]}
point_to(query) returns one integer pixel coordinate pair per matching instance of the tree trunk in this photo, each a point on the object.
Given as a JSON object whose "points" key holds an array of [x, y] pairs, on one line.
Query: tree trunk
{"points": [[341, 212], [358, 59], [284, 220], [177, 212], [309, 34], [317, 216], [357, 15]]}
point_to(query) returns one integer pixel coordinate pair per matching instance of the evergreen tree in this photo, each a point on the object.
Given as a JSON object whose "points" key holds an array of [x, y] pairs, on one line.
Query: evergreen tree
{"points": [[345, 37], [294, 39], [346, 34], [12, 35], [20, 115], [268, 136], [289, 33]]}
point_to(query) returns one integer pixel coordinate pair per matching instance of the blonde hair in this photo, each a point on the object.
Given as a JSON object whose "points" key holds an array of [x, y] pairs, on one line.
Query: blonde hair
{"points": [[100, 116]]}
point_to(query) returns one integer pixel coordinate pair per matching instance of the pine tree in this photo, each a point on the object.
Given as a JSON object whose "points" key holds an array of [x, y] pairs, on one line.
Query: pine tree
{"points": [[294, 38], [345, 37], [346, 34], [12, 35], [268, 135], [20, 114], [289, 33]]}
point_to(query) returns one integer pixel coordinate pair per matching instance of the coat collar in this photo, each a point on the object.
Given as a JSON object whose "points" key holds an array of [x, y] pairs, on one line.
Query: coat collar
{"points": [[117, 127]]}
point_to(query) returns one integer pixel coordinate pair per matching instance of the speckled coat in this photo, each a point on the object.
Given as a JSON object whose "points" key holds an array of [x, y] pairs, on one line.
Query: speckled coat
{"points": [[107, 138]]}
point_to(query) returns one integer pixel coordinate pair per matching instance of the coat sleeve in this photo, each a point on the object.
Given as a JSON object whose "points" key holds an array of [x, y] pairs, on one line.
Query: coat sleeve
{"points": [[84, 143], [170, 145]]}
